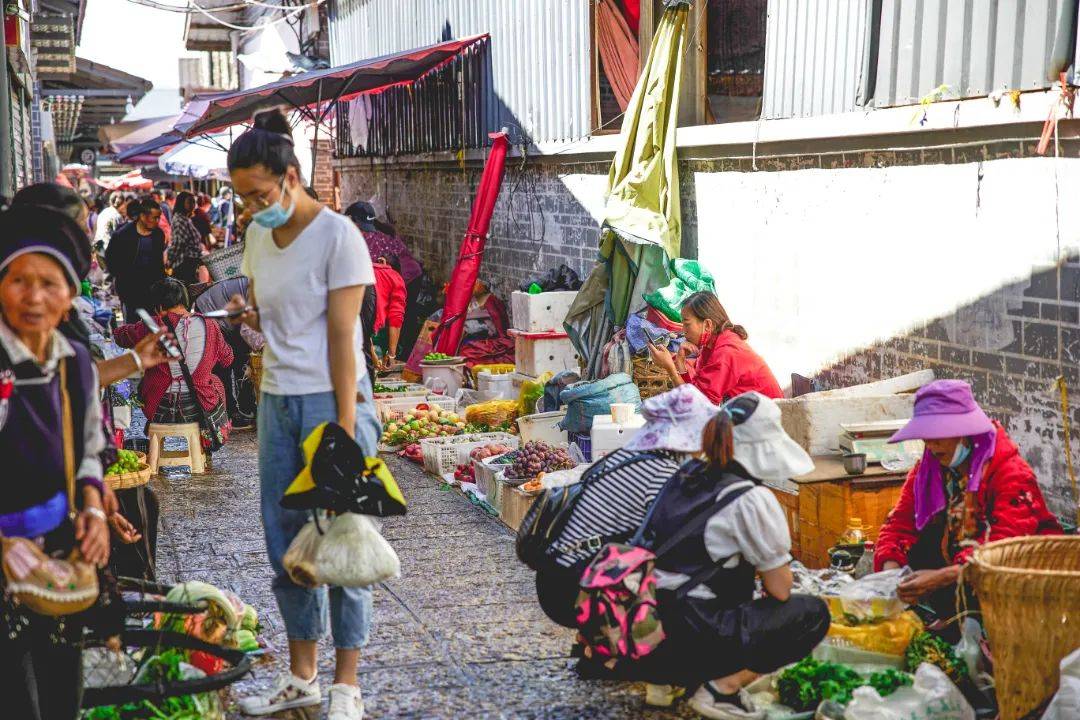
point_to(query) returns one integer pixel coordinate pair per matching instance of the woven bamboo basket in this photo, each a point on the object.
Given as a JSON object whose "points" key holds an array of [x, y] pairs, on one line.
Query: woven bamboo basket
{"points": [[123, 481], [650, 379], [1028, 589]]}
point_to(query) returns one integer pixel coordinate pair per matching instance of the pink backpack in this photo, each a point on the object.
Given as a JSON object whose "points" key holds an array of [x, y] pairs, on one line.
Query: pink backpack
{"points": [[617, 615]]}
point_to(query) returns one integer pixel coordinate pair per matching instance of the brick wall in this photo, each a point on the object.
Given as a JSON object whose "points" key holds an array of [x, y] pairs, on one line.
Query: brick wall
{"points": [[1011, 345], [323, 180], [537, 223]]}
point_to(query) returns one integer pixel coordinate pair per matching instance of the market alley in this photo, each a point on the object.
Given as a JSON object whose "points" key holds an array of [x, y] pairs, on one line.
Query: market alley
{"points": [[459, 635]]}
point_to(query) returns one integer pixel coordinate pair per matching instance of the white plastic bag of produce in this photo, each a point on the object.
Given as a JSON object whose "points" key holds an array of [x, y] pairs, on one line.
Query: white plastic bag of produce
{"points": [[299, 559], [873, 597], [932, 697], [353, 553], [1066, 702]]}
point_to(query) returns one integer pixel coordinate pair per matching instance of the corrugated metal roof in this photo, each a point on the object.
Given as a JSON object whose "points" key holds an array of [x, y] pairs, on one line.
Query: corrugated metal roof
{"points": [[541, 58], [975, 47], [816, 57]]}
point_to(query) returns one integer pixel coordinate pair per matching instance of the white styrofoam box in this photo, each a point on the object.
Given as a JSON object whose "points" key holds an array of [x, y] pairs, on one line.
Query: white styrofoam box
{"points": [[814, 422], [499, 386], [537, 313], [538, 353], [542, 426], [607, 436]]}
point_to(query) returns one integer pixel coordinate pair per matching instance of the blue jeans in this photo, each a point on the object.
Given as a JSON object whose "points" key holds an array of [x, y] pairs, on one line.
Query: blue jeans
{"points": [[284, 422]]}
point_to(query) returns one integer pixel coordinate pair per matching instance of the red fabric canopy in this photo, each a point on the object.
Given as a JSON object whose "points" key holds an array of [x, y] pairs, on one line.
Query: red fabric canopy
{"points": [[463, 278], [330, 85]]}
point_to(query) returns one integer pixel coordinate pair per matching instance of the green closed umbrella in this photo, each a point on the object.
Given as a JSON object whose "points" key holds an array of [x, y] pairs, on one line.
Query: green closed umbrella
{"points": [[642, 229]]}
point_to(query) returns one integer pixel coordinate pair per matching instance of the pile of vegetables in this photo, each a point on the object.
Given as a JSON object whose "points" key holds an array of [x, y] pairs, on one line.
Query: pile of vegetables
{"points": [[424, 421], [164, 667], [380, 388], [538, 457], [413, 452], [507, 427], [126, 462], [929, 648], [437, 357], [806, 684], [492, 412]]}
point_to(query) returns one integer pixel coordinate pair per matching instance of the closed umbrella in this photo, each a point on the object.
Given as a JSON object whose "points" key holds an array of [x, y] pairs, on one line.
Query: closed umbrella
{"points": [[460, 291]]}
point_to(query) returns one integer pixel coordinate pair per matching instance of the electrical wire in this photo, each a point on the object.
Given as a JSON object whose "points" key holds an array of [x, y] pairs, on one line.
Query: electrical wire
{"points": [[294, 10]]}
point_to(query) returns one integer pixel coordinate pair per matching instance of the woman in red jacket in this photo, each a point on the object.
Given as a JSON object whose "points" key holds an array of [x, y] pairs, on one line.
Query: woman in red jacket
{"points": [[971, 487], [725, 365], [164, 393]]}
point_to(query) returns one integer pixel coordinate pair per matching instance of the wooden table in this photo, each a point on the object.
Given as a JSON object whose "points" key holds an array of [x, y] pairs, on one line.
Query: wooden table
{"points": [[819, 505]]}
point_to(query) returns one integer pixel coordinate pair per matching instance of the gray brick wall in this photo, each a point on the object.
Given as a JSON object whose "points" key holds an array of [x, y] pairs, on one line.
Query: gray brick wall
{"points": [[1011, 345], [537, 223]]}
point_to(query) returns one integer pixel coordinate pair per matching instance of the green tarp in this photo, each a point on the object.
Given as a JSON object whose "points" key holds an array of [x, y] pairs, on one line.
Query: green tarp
{"points": [[642, 227]]}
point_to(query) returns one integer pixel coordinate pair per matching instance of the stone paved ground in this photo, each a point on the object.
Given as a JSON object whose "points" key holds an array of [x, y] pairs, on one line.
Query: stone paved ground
{"points": [[459, 635]]}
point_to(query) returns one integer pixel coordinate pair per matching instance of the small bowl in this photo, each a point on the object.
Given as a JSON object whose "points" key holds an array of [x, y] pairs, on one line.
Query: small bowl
{"points": [[855, 463]]}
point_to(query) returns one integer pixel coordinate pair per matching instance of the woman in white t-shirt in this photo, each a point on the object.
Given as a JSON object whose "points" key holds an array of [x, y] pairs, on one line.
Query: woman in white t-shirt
{"points": [[718, 528], [308, 268]]}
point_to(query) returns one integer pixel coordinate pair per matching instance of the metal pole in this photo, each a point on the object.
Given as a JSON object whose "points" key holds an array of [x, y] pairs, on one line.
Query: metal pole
{"points": [[7, 165]]}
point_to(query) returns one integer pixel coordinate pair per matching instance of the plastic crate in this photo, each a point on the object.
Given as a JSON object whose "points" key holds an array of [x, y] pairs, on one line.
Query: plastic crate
{"points": [[543, 427], [485, 471], [490, 483], [544, 311], [407, 390], [538, 353], [384, 407], [225, 263], [441, 454]]}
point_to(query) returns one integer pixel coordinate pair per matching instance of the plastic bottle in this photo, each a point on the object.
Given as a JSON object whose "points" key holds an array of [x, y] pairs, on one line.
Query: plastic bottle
{"points": [[854, 534]]}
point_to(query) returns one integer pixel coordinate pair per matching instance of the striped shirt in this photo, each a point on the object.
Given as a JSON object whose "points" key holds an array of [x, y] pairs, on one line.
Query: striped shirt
{"points": [[614, 501]]}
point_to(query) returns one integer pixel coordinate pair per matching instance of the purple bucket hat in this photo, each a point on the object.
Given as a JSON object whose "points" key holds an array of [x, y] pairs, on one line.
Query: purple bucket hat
{"points": [[674, 421], [945, 409]]}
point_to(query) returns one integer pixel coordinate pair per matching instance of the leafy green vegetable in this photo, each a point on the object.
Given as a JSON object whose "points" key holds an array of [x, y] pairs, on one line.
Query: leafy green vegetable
{"points": [[804, 685], [926, 647]]}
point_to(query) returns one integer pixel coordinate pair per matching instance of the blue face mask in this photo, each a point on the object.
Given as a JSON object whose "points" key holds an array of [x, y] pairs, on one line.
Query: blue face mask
{"points": [[960, 455], [276, 215]]}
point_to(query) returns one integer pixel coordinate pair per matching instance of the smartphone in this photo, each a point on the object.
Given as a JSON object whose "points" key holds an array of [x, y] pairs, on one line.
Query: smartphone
{"points": [[231, 315], [170, 349]]}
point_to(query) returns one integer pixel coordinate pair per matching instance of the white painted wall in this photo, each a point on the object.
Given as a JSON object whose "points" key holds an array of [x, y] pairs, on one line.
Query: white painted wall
{"points": [[818, 263]]}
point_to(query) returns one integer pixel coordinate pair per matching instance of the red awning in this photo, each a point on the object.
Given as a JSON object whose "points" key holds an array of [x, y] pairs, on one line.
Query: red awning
{"points": [[328, 86]]}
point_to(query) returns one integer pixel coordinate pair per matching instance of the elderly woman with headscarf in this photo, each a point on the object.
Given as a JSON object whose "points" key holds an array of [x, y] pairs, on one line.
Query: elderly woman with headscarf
{"points": [[716, 528], [50, 437], [970, 487]]}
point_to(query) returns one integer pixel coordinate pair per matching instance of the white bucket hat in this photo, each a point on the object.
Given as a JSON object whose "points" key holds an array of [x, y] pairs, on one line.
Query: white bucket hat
{"points": [[760, 444]]}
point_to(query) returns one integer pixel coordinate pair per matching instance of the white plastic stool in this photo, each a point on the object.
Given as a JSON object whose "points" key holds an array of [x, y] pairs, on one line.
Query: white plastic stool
{"points": [[193, 457]]}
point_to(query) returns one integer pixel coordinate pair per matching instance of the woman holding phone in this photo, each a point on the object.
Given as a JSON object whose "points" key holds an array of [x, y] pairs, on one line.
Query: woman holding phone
{"points": [[308, 269]]}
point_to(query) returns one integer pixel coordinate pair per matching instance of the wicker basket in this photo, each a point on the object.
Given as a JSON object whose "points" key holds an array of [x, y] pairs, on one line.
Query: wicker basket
{"points": [[225, 263], [650, 379], [123, 481], [1028, 589]]}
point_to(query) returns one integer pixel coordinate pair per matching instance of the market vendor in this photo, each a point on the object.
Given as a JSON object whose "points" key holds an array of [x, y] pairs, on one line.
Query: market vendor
{"points": [[390, 302], [725, 366], [50, 437], [970, 487]]}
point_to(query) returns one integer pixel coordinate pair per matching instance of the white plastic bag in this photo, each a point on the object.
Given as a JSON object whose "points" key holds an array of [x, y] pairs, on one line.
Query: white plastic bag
{"points": [[353, 553], [299, 559], [873, 597], [932, 697], [1066, 702]]}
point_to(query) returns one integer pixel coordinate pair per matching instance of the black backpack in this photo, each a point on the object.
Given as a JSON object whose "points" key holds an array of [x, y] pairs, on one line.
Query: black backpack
{"points": [[551, 511]]}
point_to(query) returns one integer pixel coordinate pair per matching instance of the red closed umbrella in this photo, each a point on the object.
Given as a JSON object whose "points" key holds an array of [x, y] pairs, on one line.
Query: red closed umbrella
{"points": [[460, 290]]}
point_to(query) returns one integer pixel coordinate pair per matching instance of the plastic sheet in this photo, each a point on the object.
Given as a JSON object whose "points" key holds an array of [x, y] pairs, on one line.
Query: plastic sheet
{"points": [[932, 697], [689, 277], [586, 400], [874, 597]]}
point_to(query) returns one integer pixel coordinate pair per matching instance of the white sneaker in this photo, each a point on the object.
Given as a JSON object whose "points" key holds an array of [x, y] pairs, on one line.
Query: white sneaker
{"points": [[662, 695], [288, 692], [706, 702], [345, 703]]}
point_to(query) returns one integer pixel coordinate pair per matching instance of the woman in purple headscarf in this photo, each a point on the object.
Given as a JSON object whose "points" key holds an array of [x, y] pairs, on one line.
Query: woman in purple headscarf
{"points": [[971, 487]]}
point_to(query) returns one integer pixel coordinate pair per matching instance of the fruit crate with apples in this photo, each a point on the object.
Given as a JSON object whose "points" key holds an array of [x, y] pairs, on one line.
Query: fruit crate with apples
{"points": [[441, 455], [387, 407]]}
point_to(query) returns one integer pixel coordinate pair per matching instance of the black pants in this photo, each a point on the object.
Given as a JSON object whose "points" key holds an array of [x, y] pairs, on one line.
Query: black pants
{"points": [[557, 590], [940, 605], [138, 559], [705, 642], [41, 681]]}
